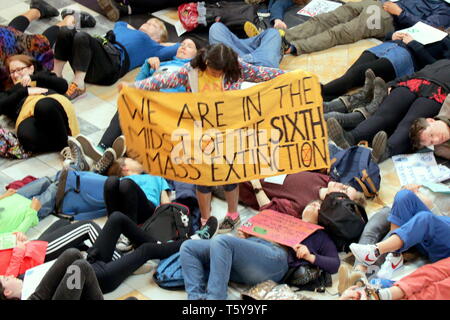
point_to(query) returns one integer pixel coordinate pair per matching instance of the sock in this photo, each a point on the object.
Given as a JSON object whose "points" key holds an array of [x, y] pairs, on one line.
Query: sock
{"points": [[385, 294], [233, 215]]}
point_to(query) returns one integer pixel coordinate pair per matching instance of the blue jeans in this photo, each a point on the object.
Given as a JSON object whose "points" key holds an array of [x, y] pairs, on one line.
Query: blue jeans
{"points": [[420, 227], [262, 50], [44, 189], [208, 265]]}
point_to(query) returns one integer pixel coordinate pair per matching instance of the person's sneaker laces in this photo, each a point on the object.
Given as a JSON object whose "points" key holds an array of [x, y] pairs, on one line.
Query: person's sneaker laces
{"points": [[107, 159], [88, 147], [74, 91], [366, 254], [228, 224], [46, 10], [77, 154], [393, 262], [85, 18], [208, 230]]}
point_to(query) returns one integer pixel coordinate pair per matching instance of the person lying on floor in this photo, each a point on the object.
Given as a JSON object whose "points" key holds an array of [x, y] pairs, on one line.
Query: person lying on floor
{"points": [[153, 66], [289, 199], [209, 265], [433, 131], [38, 46], [419, 95], [428, 282], [43, 116], [17, 213], [412, 224], [216, 68], [398, 57], [99, 61]]}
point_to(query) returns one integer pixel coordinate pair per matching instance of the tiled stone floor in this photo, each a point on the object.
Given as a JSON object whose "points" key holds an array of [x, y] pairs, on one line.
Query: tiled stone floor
{"points": [[97, 108]]}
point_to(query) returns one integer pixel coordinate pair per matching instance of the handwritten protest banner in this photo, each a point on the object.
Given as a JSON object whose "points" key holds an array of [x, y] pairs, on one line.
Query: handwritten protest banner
{"points": [[279, 227], [215, 138], [424, 33]]}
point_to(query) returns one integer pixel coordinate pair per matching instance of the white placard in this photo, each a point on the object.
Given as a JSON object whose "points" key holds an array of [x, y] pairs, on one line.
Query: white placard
{"points": [[418, 168], [424, 34], [33, 277], [276, 179], [316, 7]]}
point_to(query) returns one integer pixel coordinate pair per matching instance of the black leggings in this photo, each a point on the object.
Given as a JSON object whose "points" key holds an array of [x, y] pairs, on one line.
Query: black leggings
{"points": [[395, 116], [21, 23], [111, 274], [112, 132], [355, 75], [58, 283], [126, 196], [47, 130], [86, 54]]}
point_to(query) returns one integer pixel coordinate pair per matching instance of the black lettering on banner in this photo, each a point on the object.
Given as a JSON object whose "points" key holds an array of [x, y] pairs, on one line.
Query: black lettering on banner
{"points": [[149, 111], [257, 108], [281, 94], [231, 165], [185, 109], [152, 135], [294, 127], [132, 111], [150, 160], [180, 165], [169, 166], [306, 154], [303, 113], [317, 123], [293, 94], [288, 146], [272, 122], [203, 115], [213, 169], [218, 114], [260, 155], [274, 157], [316, 149], [166, 138], [306, 89], [199, 174]]}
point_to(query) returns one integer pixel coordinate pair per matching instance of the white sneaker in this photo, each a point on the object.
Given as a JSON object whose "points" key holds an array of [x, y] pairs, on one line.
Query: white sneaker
{"points": [[394, 261], [365, 253]]}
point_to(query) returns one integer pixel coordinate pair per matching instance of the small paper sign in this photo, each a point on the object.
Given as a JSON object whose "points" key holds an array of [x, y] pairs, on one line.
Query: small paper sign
{"points": [[316, 7], [279, 227], [424, 34]]}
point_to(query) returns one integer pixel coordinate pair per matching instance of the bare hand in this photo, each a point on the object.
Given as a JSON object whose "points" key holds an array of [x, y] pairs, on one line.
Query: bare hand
{"points": [[36, 90], [35, 204], [241, 234], [302, 251], [412, 187], [122, 84], [407, 38], [392, 8], [154, 63], [354, 293], [25, 81], [21, 237], [398, 35], [9, 192], [279, 24]]}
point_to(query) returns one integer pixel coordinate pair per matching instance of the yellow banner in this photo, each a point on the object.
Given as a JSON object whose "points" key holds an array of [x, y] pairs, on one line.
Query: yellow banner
{"points": [[215, 138]]}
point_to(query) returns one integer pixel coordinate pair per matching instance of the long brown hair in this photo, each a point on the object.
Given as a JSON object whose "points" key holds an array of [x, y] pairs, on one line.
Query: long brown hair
{"points": [[27, 60]]}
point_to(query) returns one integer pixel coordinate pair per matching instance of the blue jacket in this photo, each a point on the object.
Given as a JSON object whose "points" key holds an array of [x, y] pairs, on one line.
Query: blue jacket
{"points": [[433, 12]]}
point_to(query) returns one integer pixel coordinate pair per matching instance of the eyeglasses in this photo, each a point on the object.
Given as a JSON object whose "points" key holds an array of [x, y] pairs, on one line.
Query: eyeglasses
{"points": [[18, 70]]}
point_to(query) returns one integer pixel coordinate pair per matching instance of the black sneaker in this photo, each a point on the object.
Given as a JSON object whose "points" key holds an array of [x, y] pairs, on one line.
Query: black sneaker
{"points": [[208, 230], [46, 10], [228, 224], [86, 19], [107, 159]]}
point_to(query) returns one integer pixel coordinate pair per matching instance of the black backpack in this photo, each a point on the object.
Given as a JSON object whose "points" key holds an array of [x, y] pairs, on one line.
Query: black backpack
{"points": [[170, 221], [343, 219]]}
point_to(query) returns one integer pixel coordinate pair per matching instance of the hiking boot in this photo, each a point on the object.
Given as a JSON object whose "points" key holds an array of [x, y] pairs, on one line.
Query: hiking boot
{"points": [[208, 230], [343, 139], [348, 277], [107, 159], [379, 144], [394, 262], [361, 98], [86, 19], [228, 224], [46, 10], [251, 30], [366, 254], [74, 92], [78, 156], [119, 146], [380, 91], [113, 10], [88, 148]]}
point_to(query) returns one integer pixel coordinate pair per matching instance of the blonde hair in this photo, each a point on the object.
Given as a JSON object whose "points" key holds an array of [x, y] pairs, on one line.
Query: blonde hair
{"points": [[163, 35]]}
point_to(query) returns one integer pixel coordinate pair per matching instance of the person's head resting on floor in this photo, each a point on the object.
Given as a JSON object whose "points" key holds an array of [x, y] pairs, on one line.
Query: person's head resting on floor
{"points": [[123, 167], [426, 132], [155, 29], [218, 61], [10, 288], [187, 49]]}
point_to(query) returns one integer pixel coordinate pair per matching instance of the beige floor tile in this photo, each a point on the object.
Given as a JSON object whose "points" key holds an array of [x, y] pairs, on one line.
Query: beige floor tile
{"points": [[32, 166], [121, 291]]}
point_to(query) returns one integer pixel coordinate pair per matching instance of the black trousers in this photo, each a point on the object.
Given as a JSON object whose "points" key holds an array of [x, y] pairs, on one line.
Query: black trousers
{"points": [[69, 278], [86, 54], [111, 274], [111, 133], [395, 116], [47, 130], [126, 196], [355, 75], [21, 23]]}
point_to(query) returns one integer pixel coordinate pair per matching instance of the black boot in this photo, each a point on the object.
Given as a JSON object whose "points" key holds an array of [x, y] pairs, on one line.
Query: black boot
{"points": [[379, 147], [112, 9], [380, 91], [363, 96], [86, 19], [46, 10]]}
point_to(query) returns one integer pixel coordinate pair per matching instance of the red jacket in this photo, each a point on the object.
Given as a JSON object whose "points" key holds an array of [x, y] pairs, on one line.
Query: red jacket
{"points": [[16, 261]]}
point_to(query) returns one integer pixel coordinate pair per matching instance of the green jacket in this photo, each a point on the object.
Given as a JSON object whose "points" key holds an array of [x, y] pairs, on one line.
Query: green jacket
{"points": [[16, 214]]}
